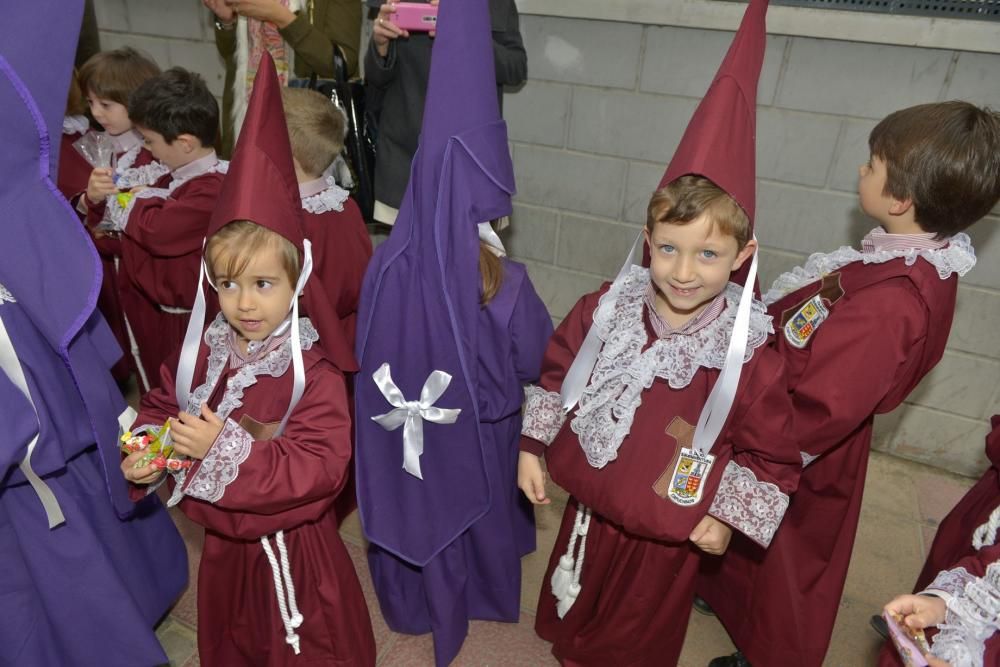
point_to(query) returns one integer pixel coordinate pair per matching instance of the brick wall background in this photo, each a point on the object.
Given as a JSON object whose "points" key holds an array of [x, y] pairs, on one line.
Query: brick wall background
{"points": [[604, 108]]}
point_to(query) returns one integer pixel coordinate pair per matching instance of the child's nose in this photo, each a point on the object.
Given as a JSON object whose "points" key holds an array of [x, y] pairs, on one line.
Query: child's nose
{"points": [[684, 269]]}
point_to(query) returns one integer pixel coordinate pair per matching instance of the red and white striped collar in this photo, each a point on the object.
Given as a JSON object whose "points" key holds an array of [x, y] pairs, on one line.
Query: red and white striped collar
{"points": [[696, 323], [878, 239]]}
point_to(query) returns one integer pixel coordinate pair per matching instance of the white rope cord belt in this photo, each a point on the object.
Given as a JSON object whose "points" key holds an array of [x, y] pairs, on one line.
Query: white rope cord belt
{"points": [[290, 616]]}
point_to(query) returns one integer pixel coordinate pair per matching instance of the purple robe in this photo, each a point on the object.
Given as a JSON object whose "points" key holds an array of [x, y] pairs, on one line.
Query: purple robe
{"points": [[84, 588], [478, 575]]}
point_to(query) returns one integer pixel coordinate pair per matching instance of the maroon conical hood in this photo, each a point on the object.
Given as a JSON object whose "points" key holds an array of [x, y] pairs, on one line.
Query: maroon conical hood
{"points": [[719, 142]]}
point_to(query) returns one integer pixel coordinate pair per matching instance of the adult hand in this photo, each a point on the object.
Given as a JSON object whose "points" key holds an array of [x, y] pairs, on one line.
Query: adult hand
{"points": [[711, 536], [222, 11], [271, 11], [146, 474], [385, 30], [194, 436], [531, 478]]}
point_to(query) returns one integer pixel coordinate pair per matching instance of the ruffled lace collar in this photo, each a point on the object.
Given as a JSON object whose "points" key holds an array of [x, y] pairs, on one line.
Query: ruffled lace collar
{"points": [[626, 366], [957, 257], [218, 337], [75, 125], [330, 198]]}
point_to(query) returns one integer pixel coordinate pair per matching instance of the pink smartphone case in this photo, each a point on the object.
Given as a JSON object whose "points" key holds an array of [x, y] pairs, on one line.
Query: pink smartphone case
{"points": [[415, 16]]}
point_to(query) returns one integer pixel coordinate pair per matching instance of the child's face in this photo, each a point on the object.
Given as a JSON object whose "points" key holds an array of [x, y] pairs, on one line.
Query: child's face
{"points": [[112, 116], [690, 265], [174, 154], [257, 301], [871, 189]]}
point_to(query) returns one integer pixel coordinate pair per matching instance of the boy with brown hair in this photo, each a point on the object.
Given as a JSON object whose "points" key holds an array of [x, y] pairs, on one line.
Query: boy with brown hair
{"points": [[859, 330], [647, 410], [333, 221], [161, 226]]}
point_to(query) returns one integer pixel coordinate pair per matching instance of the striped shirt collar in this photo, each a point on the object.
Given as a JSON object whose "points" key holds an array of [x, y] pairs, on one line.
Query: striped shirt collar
{"points": [[663, 329], [256, 350], [878, 239]]}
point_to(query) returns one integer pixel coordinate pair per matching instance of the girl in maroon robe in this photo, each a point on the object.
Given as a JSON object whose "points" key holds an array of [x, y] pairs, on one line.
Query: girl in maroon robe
{"points": [[251, 487]]}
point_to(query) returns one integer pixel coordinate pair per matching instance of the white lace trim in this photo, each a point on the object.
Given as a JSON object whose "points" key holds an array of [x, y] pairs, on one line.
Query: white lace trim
{"points": [[147, 174], [75, 125], [543, 414], [221, 464], [274, 364], [5, 295], [220, 167], [623, 370], [950, 582], [973, 617], [957, 257], [753, 507], [330, 199], [116, 215]]}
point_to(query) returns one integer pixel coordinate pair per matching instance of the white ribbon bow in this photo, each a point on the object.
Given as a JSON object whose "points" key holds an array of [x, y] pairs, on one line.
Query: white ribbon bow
{"points": [[413, 413]]}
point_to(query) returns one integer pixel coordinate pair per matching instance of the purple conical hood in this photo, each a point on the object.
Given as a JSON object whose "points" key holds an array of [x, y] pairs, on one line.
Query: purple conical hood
{"points": [[420, 301]]}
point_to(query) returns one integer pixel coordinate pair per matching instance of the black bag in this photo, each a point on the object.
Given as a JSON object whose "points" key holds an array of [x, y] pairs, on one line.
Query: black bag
{"points": [[359, 144]]}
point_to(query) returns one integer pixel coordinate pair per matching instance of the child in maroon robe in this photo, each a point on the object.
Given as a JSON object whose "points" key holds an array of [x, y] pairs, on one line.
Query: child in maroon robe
{"points": [[966, 539], [267, 425], [331, 219], [162, 226], [933, 172], [106, 80]]}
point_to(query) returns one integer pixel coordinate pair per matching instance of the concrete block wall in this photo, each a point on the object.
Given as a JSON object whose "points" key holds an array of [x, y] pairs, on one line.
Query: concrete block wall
{"points": [[605, 106], [604, 109]]}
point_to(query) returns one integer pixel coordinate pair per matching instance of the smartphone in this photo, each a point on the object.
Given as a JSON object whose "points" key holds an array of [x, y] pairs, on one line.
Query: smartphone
{"points": [[415, 16]]}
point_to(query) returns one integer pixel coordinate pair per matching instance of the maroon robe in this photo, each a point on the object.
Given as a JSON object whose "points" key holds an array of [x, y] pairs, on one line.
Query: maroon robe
{"points": [[887, 328], [640, 570], [288, 484], [953, 540], [341, 250], [108, 301], [74, 170], [160, 257]]}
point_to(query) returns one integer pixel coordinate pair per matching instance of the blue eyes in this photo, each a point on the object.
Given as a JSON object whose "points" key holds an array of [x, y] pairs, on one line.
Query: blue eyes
{"points": [[668, 249], [709, 254]]}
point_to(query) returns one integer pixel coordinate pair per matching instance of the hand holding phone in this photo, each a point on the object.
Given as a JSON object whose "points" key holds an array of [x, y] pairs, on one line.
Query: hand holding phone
{"points": [[415, 16]]}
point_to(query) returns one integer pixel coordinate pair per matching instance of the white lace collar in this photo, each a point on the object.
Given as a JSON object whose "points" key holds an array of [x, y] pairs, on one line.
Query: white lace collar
{"points": [[624, 369], [75, 125], [5, 295], [330, 197], [126, 142], [957, 257]]}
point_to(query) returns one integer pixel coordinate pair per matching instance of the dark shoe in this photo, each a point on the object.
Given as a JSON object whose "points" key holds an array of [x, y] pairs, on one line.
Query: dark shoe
{"points": [[702, 607], [878, 625], [735, 660]]}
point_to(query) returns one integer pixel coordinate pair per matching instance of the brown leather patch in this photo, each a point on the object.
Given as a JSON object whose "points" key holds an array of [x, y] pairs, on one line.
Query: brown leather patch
{"points": [[258, 430], [683, 434], [829, 290]]}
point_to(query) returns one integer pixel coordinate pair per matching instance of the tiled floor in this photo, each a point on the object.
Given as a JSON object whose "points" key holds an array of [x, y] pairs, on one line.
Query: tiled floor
{"points": [[903, 503]]}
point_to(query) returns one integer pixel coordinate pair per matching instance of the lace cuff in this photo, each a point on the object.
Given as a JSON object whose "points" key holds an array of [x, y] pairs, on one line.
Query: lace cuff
{"points": [[221, 464], [973, 617], [543, 414], [949, 583], [116, 214], [753, 507], [144, 175]]}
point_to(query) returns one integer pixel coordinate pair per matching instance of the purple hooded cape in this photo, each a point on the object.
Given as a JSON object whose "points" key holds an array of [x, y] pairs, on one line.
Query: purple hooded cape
{"points": [[420, 302], [82, 589]]}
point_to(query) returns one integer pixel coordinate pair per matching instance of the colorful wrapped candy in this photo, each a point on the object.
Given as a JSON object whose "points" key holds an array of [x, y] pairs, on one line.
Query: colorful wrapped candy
{"points": [[158, 448]]}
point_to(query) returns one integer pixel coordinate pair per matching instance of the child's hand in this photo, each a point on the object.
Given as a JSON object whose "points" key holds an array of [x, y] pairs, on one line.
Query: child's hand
{"points": [[194, 436], [711, 536], [100, 185], [147, 474], [919, 611], [531, 479], [222, 11]]}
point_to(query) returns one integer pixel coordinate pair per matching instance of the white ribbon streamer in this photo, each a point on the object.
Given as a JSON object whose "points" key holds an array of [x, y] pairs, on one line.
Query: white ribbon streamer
{"points": [[10, 365], [413, 413]]}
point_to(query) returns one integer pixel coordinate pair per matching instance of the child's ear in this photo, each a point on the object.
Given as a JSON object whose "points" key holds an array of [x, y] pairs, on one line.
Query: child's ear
{"points": [[189, 142], [746, 253], [649, 242], [900, 206]]}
